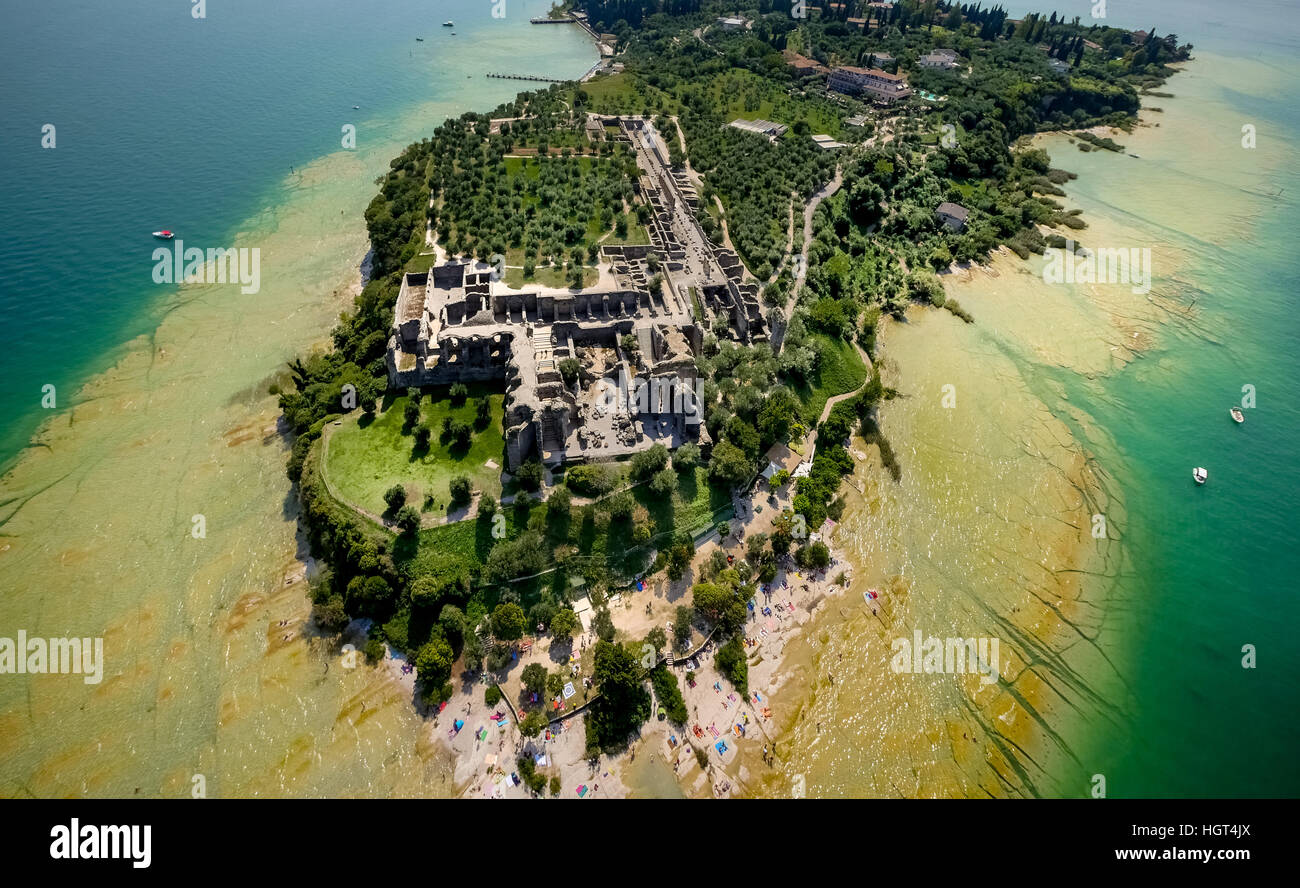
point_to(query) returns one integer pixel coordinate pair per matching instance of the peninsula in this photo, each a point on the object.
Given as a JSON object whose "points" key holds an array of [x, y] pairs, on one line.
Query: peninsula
{"points": [[573, 464]]}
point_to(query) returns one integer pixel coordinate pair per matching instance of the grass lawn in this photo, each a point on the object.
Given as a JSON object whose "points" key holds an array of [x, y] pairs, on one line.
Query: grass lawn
{"points": [[364, 459], [421, 261], [443, 552], [615, 91], [463, 546], [739, 93], [448, 549], [840, 370], [521, 166], [546, 276], [690, 509], [972, 190], [600, 543], [695, 502], [636, 234]]}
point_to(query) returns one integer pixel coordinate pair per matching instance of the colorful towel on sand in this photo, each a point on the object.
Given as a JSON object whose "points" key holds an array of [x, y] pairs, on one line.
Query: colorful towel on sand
{"points": [[581, 790]]}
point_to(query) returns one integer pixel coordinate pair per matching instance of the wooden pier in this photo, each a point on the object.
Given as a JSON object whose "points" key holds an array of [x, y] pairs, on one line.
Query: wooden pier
{"points": [[529, 77], [551, 21]]}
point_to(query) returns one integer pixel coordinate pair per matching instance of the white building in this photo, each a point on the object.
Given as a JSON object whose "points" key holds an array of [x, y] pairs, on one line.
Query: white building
{"points": [[879, 85], [944, 59], [827, 143], [760, 127]]}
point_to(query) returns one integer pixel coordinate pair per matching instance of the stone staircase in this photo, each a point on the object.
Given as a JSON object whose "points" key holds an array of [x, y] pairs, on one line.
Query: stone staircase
{"points": [[552, 442], [544, 351]]}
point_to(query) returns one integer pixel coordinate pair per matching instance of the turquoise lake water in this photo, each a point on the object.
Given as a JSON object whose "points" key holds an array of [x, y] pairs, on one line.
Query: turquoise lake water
{"points": [[1215, 568], [167, 122]]}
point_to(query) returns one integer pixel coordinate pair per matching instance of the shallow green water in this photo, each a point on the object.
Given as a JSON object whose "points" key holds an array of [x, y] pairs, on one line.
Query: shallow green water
{"points": [[1209, 570]]}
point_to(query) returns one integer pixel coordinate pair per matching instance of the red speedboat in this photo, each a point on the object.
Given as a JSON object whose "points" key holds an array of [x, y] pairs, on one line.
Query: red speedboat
{"points": [[165, 235]]}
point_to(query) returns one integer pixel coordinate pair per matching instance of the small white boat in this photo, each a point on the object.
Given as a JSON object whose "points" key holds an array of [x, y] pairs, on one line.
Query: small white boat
{"points": [[1236, 414], [164, 235], [1200, 475], [449, 24]]}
